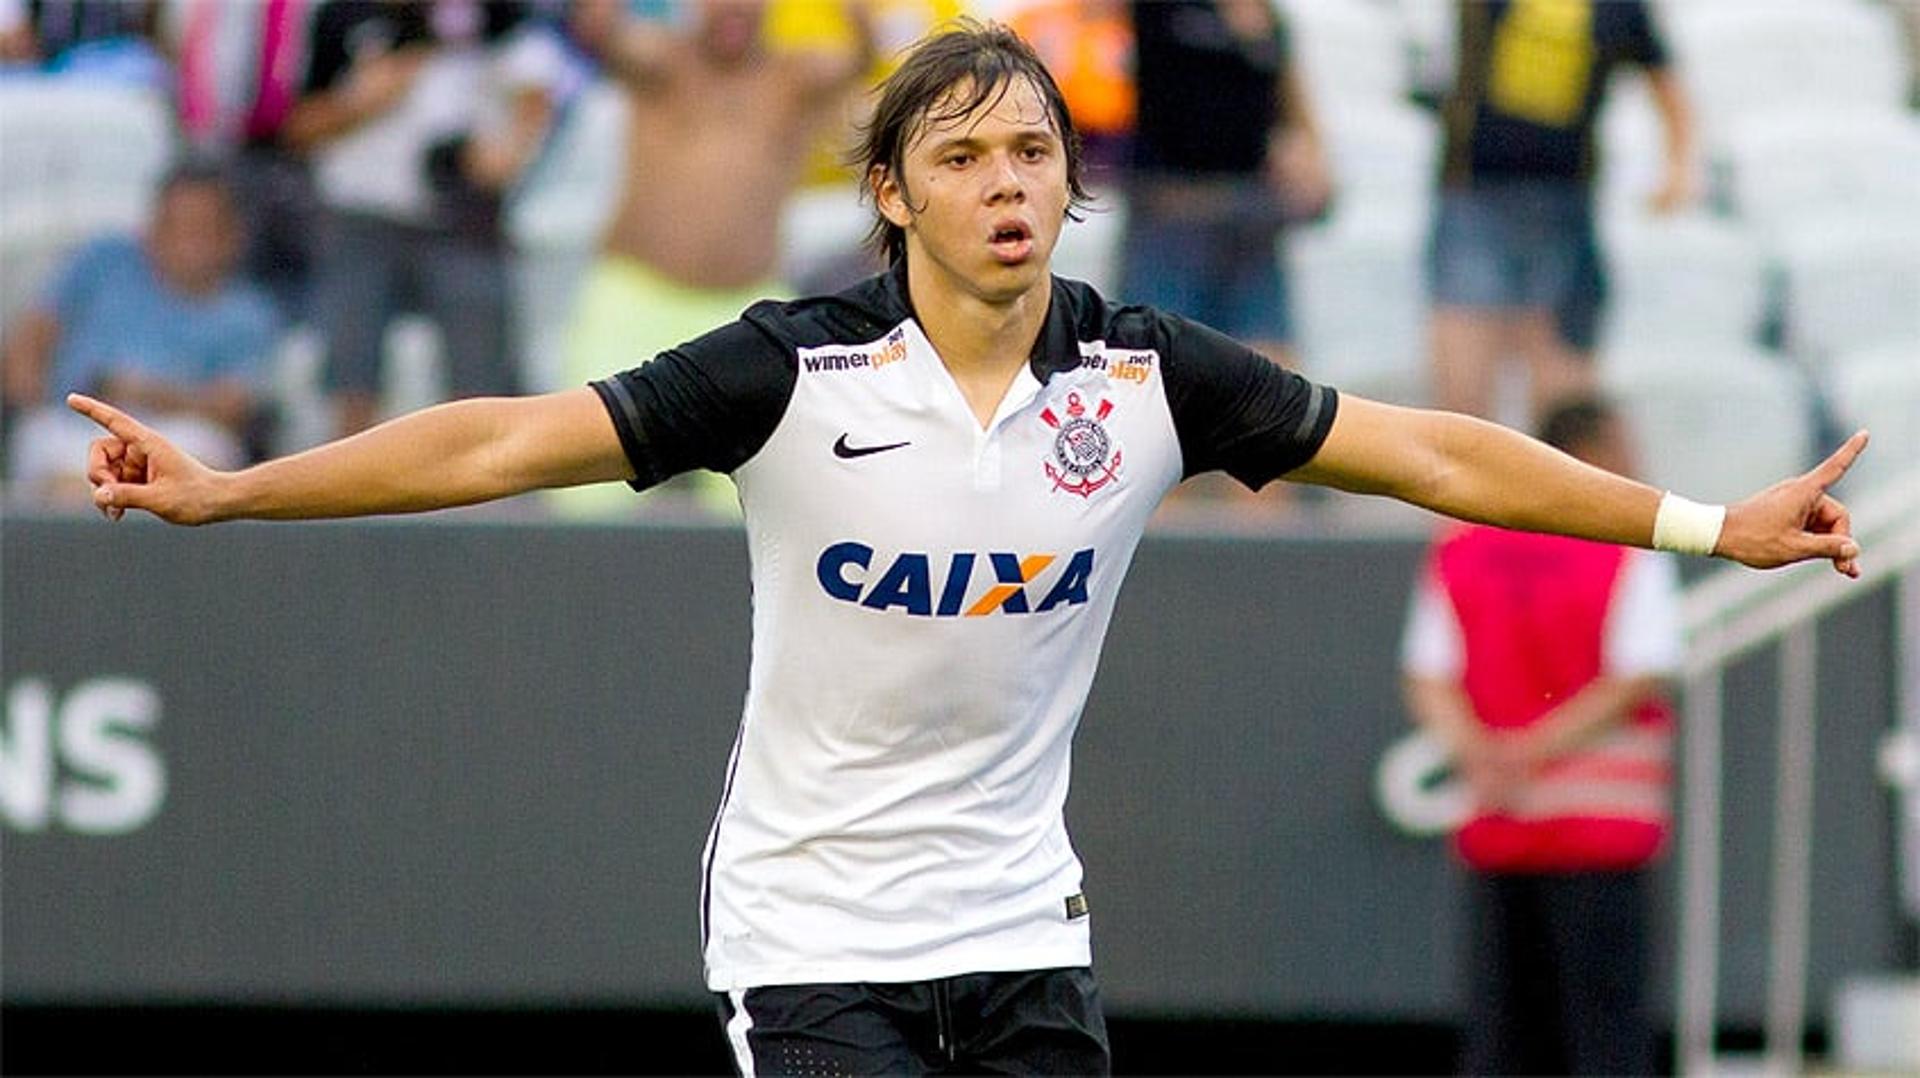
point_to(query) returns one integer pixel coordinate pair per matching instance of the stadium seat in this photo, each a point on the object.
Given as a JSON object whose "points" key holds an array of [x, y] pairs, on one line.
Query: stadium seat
{"points": [[1788, 165], [76, 160], [820, 225], [1851, 282], [1359, 294], [1384, 156], [1879, 389], [1350, 52], [1748, 57], [1689, 279], [1089, 249], [1714, 424]]}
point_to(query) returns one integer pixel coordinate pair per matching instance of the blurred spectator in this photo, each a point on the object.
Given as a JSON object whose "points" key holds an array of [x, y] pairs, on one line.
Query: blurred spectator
{"points": [[416, 128], [843, 259], [1908, 14], [162, 320], [718, 133], [1088, 45], [17, 45], [1538, 661], [105, 40], [1515, 258], [1226, 155], [240, 68], [885, 29]]}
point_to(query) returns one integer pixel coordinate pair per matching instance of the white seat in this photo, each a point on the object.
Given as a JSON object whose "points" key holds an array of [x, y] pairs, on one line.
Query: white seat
{"points": [[119, 142], [1089, 249], [29, 191], [1744, 57], [1688, 279], [1851, 282], [1714, 425], [1384, 158], [820, 225], [76, 160], [1431, 29], [1349, 51], [1790, 165], [1879, 389], [1359, 294]]}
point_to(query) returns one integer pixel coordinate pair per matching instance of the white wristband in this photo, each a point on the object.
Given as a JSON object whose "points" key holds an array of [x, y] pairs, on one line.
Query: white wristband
{"points": [[1686, 527]]}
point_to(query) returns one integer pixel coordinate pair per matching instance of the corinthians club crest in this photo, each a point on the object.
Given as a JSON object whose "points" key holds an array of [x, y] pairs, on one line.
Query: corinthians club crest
{"points": [[1084, 456]]}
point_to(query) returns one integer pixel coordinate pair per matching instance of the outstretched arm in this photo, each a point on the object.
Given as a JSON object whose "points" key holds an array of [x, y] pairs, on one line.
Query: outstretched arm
{"points": [[460, 453], [1479, 471]]}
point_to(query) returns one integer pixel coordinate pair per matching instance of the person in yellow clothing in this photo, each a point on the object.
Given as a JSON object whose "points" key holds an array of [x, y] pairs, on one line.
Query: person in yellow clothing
{"points": [[718, 119], [825, 26]]}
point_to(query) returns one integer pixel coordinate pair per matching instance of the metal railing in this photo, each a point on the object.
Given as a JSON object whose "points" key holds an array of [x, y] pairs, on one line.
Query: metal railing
{"points": [[1728, 615]]}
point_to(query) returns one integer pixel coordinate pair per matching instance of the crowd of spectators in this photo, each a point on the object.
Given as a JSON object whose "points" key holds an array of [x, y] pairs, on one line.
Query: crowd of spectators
{"points": [[371, 154]]}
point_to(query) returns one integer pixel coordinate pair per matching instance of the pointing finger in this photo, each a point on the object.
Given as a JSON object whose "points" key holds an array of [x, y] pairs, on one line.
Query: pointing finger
{"points": [[119, 423], [1829, 471]]}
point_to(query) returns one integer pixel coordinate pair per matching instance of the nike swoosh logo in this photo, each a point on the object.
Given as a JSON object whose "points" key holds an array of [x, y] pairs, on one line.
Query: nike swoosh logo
{"points": [[847, 452]]}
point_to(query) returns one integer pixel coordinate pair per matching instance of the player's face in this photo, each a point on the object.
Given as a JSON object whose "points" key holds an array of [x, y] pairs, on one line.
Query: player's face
{"points": [[984, 195]]}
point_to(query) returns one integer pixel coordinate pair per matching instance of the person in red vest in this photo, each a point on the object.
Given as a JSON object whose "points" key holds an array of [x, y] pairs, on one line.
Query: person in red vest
{"points": [[1539, 661]]}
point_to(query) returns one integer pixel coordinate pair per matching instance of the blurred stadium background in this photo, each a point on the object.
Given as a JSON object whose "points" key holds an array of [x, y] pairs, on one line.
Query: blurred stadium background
{"points": [[429, 795]]}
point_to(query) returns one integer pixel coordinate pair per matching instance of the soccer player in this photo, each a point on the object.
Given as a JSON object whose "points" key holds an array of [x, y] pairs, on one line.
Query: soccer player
{"points": [[944, 473]]}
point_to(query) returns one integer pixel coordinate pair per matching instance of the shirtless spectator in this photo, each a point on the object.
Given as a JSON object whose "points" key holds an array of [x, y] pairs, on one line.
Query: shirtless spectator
{"points": [[717, 139]]}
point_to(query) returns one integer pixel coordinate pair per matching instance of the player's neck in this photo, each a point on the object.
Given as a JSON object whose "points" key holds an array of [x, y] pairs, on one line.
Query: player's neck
{"points": [[982, 341]]}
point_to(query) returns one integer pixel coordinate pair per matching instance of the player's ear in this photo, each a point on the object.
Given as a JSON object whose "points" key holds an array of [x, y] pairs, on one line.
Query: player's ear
{"points": [[889, 196]]}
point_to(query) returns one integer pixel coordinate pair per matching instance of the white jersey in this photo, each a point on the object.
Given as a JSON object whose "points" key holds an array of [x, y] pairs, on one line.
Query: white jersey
{"points": [[929, 601]]}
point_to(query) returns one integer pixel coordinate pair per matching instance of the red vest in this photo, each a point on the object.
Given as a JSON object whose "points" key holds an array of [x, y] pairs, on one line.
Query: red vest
{"points": [[1533, 612]]}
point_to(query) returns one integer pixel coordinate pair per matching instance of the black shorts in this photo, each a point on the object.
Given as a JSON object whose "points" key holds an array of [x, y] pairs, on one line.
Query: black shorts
{"points": [[1034, 1022]]}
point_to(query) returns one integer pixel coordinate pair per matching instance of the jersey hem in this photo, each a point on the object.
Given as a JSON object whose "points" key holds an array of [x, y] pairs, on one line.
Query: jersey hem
{"points": [[727, 979]]}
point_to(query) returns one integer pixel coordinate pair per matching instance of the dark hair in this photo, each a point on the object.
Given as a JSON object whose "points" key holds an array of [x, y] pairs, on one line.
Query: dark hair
{"points": [[1575, 422], [986, 56]]}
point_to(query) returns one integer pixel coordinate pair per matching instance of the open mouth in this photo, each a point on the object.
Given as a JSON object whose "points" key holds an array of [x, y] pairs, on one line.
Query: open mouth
{"points": [[1011, 241]]}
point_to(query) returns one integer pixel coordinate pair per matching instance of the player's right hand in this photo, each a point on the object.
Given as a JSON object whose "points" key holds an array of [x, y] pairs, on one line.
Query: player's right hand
{"points": [[135, 468], [1796, 519]]}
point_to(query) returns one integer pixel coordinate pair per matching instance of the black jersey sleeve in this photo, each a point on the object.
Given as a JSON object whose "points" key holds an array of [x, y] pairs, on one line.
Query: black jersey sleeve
{"points": [[710, 403], [1237, 411]]}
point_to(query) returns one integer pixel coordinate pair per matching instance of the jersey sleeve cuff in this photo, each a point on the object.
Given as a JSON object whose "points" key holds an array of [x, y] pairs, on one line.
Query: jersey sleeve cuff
{"points": [[625, 412]]}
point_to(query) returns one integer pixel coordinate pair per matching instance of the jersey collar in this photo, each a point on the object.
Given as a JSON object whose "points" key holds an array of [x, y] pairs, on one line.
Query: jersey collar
{"points": [[1057, 349]]}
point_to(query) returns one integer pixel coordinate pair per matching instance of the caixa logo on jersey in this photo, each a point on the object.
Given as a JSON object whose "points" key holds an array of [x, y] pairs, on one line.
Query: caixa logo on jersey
{"points": [[964, 584]]}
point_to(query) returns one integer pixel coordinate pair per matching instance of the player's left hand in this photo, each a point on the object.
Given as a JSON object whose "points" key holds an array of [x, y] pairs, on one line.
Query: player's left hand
{"points": [[1796, 519]]}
